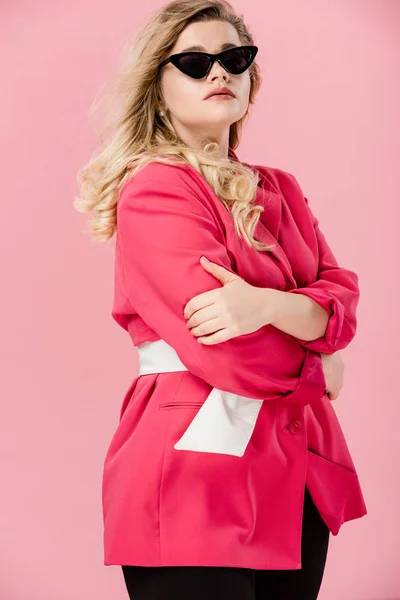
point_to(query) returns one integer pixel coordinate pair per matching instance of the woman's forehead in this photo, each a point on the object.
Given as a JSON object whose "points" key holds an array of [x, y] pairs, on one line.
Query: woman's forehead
{"points": [[209, 36]]}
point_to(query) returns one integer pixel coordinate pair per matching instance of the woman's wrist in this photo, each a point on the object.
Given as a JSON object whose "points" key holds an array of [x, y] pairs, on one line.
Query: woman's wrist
{"points": [[298, 315]]}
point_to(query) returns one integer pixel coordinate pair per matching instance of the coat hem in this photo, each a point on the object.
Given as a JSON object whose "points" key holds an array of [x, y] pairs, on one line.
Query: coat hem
{"points": [[258, 567]]}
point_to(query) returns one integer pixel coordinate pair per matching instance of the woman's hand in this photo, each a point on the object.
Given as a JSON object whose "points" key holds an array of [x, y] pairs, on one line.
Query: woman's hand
{"points": [[239, 308], [235, 309], [333, 367]]}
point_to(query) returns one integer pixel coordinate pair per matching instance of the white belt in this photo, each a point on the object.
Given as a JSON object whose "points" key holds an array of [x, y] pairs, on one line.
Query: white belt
{"points": [[223, 424]]}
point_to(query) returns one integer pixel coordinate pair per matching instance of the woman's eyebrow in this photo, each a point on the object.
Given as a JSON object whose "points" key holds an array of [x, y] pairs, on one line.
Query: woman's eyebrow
{"points": [[201, 49]]}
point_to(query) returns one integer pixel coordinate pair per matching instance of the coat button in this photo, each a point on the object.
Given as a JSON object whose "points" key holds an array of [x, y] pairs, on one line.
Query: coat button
{"points": [[295, 426]]}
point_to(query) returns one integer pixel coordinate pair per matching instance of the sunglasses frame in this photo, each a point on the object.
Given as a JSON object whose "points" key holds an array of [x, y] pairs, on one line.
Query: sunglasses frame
{"points": [[174, 59]]}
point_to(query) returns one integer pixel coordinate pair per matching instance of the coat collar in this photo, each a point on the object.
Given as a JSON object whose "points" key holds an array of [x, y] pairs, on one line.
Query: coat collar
{"points": [[272, 201]]}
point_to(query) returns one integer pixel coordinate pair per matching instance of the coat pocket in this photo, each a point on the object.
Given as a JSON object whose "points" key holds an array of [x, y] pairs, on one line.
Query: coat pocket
{"points": [[327, 460], [191, 392], [177, 405], [335, 490]]}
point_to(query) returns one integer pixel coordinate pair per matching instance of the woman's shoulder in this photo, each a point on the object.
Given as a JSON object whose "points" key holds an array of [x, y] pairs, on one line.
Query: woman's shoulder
{"points": [[157, 173], [168, 187]]}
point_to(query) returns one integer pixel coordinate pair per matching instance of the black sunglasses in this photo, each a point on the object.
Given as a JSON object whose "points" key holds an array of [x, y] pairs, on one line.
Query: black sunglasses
{"points": [[198, 64]]}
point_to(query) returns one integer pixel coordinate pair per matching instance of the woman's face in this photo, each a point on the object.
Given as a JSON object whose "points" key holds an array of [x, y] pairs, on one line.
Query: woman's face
{"points": [[193, 117]]}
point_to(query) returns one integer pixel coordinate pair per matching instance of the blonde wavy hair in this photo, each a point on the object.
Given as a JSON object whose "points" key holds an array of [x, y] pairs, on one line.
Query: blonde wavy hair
{"points": [[139, 134]]}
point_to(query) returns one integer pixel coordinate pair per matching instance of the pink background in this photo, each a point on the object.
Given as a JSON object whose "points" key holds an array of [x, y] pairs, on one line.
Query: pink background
{"points": [[328, 110]]}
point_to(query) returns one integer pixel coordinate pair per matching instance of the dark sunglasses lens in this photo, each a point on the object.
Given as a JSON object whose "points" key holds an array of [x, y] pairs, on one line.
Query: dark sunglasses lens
{"points": [[237, 60], [195, 65]]}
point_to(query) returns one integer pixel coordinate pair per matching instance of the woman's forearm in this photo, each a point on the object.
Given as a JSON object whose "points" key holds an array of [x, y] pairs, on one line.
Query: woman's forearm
{"points": [[298, 315]]}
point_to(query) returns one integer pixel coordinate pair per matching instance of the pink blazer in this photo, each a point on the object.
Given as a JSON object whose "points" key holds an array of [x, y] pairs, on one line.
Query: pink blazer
{"points": [[163, 506]]}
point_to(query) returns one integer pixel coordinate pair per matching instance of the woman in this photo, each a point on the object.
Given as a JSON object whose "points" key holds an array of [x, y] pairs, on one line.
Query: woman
{"points": [[228, 469]]}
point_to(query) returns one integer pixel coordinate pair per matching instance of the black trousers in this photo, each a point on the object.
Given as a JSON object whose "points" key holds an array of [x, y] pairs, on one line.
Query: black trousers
{"points": [[234, 583]]}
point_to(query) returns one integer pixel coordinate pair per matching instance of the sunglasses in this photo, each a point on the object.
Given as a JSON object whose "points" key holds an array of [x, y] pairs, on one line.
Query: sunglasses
{"points": [[198, 64]]}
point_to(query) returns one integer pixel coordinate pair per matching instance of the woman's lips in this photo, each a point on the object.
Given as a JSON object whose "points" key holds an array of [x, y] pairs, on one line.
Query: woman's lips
{"points": [[220, 97]]}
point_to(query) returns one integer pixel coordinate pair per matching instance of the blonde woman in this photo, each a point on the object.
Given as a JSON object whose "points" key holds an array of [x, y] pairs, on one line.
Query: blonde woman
{"points": [[228, 469]]}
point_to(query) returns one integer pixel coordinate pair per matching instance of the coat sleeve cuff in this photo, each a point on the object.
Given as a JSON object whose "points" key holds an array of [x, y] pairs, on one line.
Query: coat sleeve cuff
{"points": [[326, 343], [312, 384]]}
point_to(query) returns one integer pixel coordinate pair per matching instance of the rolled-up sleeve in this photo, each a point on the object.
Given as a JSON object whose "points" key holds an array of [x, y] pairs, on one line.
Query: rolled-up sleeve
{"points": [[163, 228], [336, 290]]}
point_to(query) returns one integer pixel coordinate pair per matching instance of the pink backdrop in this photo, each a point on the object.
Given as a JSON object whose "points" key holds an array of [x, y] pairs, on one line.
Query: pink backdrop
{"points": [[328, 110]]}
